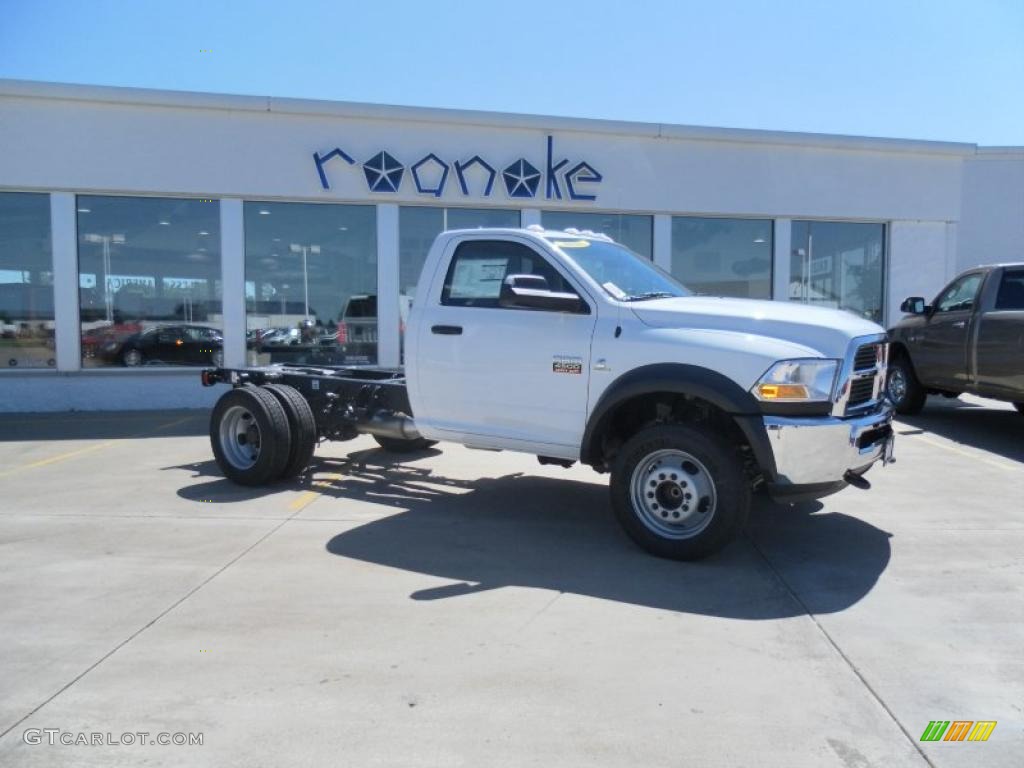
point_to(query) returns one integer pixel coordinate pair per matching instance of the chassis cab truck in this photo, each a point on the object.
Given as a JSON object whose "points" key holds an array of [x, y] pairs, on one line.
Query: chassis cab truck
{"points": [[570, 347]]}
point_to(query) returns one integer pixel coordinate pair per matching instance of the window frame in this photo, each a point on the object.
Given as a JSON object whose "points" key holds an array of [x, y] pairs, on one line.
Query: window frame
{"points": [[445, 299], [1018, 274], [956, 282]]}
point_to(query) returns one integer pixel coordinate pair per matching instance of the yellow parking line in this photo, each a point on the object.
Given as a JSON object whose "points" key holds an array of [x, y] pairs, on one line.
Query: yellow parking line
{"points": [[308, 497], [975, 455], [86, 449], [58, 457]]}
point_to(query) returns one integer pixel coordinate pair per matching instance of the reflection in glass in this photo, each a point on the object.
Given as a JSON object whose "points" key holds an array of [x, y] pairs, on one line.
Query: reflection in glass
{"points": [[723, 257], [418, 226], [26, 282], [311, 283], [149, 281], [634, 232], [838, 264]]}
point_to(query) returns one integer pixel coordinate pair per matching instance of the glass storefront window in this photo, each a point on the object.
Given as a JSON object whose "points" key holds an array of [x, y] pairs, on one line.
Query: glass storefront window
{"points": [[418, 226], [723, 257], [26, 282], [838, 264], [149, 281], [633, 231], [311, 283]]}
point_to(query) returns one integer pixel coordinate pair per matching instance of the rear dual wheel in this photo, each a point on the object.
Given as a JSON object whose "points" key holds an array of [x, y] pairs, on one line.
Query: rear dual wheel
{"points": [[262, 434]]}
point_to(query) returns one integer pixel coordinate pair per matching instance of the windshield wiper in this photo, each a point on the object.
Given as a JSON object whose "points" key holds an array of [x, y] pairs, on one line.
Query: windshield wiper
{"points": [[650, 295]]}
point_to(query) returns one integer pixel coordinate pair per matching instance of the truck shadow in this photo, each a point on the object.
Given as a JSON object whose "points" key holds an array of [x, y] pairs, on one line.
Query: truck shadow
{"points": [[560, 535], [998, 429]]}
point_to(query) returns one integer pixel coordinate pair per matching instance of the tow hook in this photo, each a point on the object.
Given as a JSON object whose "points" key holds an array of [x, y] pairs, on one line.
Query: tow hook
{"points": [[857, 481]]}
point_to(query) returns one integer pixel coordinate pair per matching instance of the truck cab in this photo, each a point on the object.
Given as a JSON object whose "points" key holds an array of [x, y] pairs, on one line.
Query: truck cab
{"points": [[970, 338]]}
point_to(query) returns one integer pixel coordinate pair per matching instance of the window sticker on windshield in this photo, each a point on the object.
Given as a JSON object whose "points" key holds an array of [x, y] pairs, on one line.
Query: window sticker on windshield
{"points": [[567, 364], [573, 243], [614, 290]]}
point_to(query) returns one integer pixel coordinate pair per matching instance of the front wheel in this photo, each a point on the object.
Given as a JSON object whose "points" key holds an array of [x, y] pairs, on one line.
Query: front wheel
{"points": [[679, 491], [904, 390]]}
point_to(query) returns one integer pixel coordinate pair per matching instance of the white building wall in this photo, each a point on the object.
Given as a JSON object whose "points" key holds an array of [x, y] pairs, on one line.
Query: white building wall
{"points": [[992, 212], [922, 260], [946, 205]]}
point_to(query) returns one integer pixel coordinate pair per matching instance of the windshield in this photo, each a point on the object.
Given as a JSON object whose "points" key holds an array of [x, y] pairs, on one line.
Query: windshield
{"points": [[623, 274]]}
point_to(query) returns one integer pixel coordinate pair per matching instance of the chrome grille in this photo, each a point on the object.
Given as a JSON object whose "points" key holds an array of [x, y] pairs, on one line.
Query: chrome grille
{"points": [[864, 385], [865, 358], [861, 391]]}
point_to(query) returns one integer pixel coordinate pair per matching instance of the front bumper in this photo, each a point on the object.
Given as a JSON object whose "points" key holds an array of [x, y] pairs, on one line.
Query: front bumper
{"points": [[819, 451]]}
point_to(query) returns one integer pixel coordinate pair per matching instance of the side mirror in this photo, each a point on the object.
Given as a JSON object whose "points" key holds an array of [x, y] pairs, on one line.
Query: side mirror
{"points": [[532, 292], [913, 306]]}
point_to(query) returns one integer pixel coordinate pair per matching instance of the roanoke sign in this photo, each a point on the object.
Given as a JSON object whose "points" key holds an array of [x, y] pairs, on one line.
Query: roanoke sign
{"points": [[432, 175]]}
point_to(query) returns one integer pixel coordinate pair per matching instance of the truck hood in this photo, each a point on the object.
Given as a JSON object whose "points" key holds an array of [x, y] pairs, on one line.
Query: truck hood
{"points": [[828, 331]]}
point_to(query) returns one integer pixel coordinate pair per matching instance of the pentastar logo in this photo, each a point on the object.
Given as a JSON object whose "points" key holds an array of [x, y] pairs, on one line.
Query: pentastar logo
{"points": [[474, 176]]}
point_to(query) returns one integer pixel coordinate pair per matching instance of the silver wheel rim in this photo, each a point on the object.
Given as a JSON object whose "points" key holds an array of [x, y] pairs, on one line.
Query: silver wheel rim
{"points": [[897, 385], [673, 494], [239, 437], [132, 357]]}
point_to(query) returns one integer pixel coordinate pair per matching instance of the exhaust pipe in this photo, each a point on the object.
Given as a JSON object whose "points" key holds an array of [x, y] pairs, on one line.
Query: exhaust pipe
{"points": [[384, 424]]}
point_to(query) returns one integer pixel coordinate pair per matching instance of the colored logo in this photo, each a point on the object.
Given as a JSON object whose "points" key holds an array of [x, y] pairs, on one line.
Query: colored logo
{"points": [[958, 730]]}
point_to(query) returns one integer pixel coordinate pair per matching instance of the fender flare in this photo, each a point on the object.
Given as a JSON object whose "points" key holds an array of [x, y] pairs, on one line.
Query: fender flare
{"points": [[683, 379]]}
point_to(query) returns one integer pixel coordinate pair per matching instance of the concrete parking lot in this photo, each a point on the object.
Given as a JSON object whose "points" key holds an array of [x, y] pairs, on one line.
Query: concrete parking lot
{"points": [[462, 608]]}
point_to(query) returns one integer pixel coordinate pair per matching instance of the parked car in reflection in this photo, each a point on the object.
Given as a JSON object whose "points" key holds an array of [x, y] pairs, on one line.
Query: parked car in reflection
{"points": [[168, 345], [357, 329], [100, 341], [305, 344]]}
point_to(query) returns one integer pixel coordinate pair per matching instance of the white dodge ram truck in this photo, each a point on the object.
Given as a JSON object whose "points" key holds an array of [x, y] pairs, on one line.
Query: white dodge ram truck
{"points": [[568, 346]]}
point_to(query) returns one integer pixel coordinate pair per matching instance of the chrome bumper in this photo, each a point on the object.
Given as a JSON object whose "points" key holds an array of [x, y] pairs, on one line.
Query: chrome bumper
{"points": [[815, 450]]}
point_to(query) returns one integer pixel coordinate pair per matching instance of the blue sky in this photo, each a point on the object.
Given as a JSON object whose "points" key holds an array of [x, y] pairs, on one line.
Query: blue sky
{"points": [[931, 69]]}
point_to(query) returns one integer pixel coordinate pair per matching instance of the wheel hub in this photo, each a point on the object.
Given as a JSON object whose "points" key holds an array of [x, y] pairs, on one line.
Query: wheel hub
{"points": [[239, 437], [897, 384], [673, 494]]}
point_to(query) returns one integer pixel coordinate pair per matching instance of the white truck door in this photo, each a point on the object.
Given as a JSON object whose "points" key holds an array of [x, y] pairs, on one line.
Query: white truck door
{"points": [[500, 377]]}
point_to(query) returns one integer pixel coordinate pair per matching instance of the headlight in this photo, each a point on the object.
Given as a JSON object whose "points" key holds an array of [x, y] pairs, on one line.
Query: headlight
{"points": [[797, 381]]}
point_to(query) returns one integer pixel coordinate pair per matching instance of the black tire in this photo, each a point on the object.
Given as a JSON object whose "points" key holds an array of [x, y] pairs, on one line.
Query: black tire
{"points": [[302, 425], [398, 445], [259, 409], [1019, 407], [132, 358], [719, 467], [902, 387]]}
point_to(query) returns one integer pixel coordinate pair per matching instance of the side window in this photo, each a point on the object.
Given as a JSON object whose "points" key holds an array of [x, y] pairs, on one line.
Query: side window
{"points": [[1011, 290], [960, 295], [479, 268]]}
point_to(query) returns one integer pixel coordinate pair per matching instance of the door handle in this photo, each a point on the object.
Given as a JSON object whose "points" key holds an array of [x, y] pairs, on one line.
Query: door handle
{"points": [[959, 323], [446, 330]]}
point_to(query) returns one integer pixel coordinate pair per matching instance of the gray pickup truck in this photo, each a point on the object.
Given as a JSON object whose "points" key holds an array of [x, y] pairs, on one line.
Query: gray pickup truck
{"points": [[970, 339]]}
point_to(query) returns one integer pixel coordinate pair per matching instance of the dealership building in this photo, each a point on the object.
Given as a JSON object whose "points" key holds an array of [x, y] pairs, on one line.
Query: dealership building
{"points": [[145, 233]]}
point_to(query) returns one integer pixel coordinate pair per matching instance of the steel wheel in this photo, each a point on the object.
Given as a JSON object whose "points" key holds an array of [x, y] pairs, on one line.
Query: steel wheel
{"points": [[673, 494], [239, 437], [132, 358], [897, 385]]}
